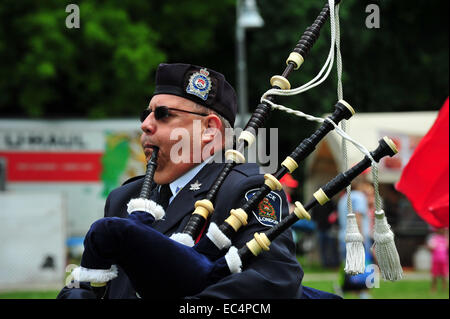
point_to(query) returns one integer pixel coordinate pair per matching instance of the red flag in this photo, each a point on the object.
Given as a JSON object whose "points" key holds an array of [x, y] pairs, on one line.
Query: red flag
{"points": [[425, 179]]}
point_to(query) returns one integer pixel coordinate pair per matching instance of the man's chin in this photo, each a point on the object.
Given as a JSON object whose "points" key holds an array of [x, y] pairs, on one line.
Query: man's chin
{"points": [[169, 173], [160, 180]]}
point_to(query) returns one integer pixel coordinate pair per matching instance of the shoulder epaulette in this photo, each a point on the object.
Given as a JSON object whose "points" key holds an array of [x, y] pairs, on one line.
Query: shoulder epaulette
{"points": [[247, 169], [132, 179]]}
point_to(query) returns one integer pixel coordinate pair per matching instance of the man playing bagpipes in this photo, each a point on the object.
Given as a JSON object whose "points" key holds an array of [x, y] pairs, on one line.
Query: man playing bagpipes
{"points": [[200, 104], [247, 251]]}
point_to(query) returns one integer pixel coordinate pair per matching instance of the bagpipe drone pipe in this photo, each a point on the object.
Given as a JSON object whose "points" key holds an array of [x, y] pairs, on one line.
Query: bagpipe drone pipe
{"points": [[205, 207], [110, 237], [143, 212], [159, 267]]}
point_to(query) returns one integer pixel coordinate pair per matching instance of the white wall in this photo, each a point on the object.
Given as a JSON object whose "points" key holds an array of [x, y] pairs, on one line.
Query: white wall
{"points": [[32, 231]]}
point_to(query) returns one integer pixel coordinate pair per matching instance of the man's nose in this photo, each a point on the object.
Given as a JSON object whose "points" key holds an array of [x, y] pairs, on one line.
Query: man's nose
{"points": [[149, 124]]}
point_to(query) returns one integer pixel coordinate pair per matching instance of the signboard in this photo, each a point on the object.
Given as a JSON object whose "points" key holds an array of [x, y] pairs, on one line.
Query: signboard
{"points": [[84, 160]]}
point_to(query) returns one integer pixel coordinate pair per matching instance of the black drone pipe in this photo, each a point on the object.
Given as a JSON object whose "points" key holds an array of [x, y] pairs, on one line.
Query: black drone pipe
{"points": [[342, 111], [204, 208], [147, 186], [386, 148], [152, 261]]}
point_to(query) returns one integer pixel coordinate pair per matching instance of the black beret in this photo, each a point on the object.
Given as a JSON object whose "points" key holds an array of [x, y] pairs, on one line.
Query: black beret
{"points": [[198, 84]]}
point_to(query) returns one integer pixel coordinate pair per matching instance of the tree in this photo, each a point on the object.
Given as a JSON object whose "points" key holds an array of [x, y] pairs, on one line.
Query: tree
{"points": [[106, 67], [401, 66]]}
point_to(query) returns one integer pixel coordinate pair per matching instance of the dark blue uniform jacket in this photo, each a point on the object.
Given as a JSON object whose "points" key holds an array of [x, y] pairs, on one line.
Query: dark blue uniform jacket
{"points": [[273, 274]]}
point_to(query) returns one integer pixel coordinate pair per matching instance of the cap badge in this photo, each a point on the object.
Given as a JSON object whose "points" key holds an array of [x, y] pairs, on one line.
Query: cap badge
{"points": [[199, 84]]}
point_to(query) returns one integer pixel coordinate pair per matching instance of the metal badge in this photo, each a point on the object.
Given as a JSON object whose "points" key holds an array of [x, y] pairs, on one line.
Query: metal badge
{"points": [[199, 84], [195, 186]]}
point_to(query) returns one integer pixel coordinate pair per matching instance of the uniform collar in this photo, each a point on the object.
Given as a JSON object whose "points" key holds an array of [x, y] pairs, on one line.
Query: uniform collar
{"points": [[177, 185]]}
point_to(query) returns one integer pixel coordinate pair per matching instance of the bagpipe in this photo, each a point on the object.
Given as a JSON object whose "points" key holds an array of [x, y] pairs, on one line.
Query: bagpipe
{"points": [[152, 260], [204, 208]]}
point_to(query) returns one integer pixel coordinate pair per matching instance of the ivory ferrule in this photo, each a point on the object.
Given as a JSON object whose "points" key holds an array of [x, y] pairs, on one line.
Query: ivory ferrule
{"points": [[272, 182], [235, 156], [259, 243], [391, 144], [290, 164], [295, 58], [321, 197], [348, 106], [248, 137], [237, 218], [203, 208], [280, 81], [301, 212]]}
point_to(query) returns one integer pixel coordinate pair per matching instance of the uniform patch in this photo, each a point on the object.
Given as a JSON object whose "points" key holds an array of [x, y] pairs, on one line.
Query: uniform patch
{"points": [[268, 211], [199, 84]]}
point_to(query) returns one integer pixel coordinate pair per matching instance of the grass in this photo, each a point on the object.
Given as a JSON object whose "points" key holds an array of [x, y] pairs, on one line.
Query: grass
{"points": [[29, 295], [403, 289], [316, 277]]}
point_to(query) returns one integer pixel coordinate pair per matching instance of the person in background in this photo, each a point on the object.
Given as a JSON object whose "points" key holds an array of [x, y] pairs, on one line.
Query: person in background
{"points": [[289, 185], [438, 244], [303, 229], [368, 189], [360, 207], [325, 217]]}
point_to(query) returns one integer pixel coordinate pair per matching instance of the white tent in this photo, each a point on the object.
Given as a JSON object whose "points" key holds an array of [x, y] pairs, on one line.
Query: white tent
{"points": [[404, 128]]}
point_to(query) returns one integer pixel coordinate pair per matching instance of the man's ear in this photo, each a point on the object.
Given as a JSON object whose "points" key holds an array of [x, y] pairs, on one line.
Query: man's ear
{"points": [[213, 126]]}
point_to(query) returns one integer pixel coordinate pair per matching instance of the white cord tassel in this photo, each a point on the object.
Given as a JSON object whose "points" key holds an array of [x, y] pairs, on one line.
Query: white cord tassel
{"points": [[355, 255], [184, 239], [94, 275], [146, 205], [385, 250]]}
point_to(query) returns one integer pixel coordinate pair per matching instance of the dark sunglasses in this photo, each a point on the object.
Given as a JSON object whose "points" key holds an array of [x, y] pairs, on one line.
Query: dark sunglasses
{"points": [[162, 112]]}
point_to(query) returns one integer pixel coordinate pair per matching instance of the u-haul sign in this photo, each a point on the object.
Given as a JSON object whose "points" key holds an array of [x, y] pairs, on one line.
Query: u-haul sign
{"points": [[84, 160]]}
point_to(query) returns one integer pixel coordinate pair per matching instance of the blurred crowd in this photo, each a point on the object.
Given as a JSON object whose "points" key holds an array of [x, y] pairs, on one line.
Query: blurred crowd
{"points": [[323, 237]]}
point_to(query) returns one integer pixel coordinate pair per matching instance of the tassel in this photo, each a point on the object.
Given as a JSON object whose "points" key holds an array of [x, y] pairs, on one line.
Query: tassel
{"points": [[184, 239], [146, 205], [95, 276], [233, 260], [355, 254], [217, 237], [385, 250]]}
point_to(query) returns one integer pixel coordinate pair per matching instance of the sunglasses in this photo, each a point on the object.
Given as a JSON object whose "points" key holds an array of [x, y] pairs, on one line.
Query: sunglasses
{"points": [[162, 112]]}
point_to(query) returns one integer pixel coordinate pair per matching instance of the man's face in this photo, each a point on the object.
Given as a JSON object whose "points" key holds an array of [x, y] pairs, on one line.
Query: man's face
{"points": [[158, 133]]}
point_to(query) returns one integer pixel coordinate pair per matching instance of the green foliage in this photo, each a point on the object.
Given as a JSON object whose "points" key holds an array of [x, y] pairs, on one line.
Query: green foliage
{"points": [[106, 67], [102, 69], [402, 66]]}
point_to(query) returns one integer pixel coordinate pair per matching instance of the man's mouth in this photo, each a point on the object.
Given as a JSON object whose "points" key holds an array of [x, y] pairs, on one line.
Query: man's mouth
{"points": [[148, 146]]}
